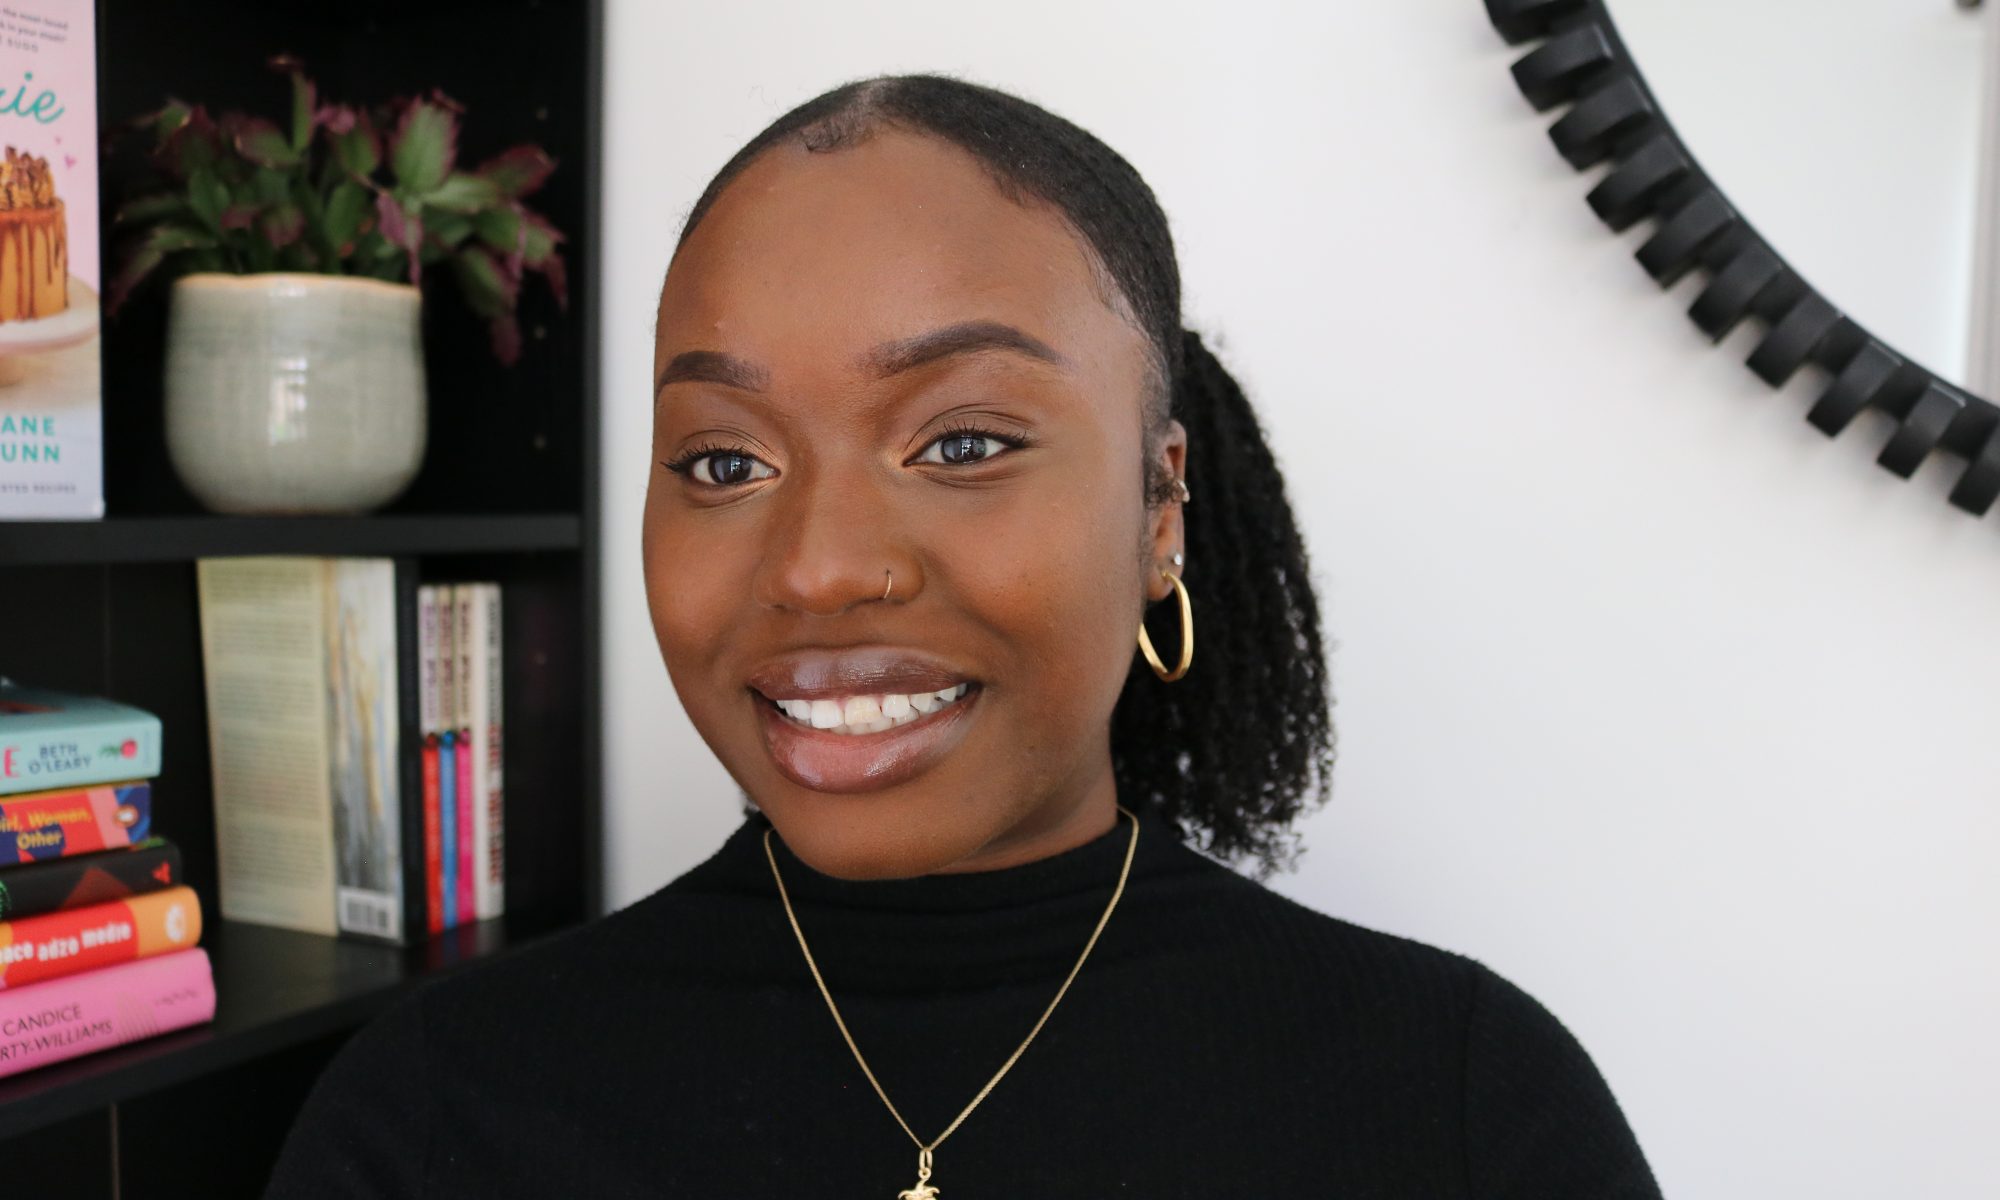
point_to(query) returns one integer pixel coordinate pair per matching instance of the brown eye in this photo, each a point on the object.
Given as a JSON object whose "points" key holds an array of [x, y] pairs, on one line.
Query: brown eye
{"points": [[727, 468], [958, 448]]}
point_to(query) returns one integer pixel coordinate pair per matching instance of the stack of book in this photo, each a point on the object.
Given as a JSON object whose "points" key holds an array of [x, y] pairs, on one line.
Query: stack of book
{"points": [[98, 932], [355, 722]]}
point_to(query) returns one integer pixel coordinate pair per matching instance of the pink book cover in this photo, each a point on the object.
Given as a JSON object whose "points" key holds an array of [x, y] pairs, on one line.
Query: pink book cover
{"points": [[51, 421], [468, 881], [44, 1023]]}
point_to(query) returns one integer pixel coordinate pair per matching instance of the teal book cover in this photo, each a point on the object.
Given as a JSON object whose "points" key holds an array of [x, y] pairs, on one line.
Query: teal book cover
{"points": [[51, 739]]}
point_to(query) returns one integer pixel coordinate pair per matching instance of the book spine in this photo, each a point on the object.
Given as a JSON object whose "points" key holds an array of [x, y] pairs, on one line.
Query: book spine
{"points": [[448, 818], [99, 751], [45, 1023], [410, 756], [427, 653], [446, 714], [492, 858], [468, 877], [363, 751], [76, 882], [39, 826], [469, 808], [84, 939]]}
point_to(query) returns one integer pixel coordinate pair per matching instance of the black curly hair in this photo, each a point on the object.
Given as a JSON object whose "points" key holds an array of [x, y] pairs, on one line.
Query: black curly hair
{"points": [[1234, 753]]}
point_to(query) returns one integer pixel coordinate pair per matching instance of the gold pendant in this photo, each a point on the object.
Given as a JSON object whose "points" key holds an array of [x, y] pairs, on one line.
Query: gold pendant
{"points": [[923, 1190]]}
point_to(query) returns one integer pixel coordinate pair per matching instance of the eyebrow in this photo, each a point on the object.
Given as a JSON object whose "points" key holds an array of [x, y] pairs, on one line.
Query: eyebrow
{"points": [[965, 337], [713, 366], [889, 358]]}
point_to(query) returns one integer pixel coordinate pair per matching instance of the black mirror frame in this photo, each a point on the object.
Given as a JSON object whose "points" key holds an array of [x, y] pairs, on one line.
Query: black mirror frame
{"points": [[1613, 115]]}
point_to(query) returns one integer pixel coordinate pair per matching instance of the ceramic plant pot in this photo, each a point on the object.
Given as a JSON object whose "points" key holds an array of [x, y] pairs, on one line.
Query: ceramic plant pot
{"points": [[294, 394]]}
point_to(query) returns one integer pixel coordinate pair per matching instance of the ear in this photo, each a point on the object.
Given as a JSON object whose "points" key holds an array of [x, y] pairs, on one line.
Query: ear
{"points": [[1167, 531]]}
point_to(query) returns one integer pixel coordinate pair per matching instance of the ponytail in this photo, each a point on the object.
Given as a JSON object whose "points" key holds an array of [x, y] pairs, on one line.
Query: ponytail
{"points": [[1233, 752]]}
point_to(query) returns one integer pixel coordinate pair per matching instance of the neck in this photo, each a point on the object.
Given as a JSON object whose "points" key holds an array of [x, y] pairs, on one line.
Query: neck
{"points": [[1050, 829]]}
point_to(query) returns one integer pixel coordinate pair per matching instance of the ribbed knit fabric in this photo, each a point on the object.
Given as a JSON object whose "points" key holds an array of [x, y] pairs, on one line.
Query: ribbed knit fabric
{"points": [[1222, 1042]]}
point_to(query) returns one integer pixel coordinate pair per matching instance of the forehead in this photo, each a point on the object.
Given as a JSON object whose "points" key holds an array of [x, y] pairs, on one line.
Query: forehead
{"points": [[897, 234]]}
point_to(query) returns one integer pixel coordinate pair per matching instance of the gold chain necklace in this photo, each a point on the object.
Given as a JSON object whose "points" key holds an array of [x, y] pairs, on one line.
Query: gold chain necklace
{"points": [[923, 1189]]}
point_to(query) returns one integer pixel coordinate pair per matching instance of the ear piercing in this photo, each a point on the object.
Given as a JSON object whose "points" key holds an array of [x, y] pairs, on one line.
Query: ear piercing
{"points": [[1178, 558], [1181, 490]]}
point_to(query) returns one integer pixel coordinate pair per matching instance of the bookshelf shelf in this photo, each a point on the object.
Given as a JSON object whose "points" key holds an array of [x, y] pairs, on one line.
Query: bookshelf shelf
{"points": [[275, 989], [508, 494], [170, 539]]}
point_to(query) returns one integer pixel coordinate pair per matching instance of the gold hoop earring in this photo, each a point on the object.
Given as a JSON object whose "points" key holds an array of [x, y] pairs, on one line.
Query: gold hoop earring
{"points": [[1187, 636]]}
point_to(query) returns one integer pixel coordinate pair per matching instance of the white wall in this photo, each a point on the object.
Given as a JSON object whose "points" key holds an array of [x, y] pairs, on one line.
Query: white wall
{"points": [[1670, 709]]}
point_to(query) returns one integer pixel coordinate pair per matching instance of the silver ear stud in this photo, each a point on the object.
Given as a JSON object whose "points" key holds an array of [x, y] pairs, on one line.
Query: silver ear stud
{"points": [[1178, 559]]}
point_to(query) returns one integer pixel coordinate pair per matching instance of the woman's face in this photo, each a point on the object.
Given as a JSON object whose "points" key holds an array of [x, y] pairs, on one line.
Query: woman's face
{"points": [[880, 374]]}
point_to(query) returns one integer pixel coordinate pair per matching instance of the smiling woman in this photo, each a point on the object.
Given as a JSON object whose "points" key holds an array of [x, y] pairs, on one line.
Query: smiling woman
{"points": [[930, 442]]}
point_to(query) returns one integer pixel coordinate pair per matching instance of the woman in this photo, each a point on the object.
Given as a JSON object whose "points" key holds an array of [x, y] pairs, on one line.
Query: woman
{"points": [[931, 440]]}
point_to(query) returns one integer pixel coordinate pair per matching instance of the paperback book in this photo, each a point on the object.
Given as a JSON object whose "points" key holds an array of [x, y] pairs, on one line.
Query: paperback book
{"points": [[51, 421]]}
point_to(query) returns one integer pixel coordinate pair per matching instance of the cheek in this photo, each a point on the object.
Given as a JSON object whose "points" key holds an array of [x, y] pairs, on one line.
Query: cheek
{"points": [[1056, 577], [696, 576]]}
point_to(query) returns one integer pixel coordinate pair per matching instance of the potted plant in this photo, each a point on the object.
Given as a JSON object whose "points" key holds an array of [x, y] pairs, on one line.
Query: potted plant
{"points": [[294, 372]]}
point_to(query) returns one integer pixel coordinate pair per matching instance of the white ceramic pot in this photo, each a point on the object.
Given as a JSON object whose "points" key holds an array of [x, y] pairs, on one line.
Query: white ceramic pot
{"points": [[290, 393]]}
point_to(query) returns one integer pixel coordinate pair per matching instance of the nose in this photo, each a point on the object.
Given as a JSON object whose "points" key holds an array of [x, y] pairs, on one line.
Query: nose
{"points": [[835, 541]]}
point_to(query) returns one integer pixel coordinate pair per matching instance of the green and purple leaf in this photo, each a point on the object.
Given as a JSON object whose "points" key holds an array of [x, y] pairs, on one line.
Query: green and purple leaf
{"points": [[424, 146], [463, 193], [282, 225], [345, 208], [160, 241], [260, 141], [405, 230], [151, 208], [355, 142], [518, 171], [304, 100]]}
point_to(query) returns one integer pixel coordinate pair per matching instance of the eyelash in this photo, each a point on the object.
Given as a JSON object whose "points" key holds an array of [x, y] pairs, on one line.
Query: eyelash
{"points": [[685, 461], [1013, 441]]}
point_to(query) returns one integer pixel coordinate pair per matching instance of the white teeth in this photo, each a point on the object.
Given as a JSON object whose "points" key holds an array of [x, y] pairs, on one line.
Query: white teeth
{"points": [[869, 714]]}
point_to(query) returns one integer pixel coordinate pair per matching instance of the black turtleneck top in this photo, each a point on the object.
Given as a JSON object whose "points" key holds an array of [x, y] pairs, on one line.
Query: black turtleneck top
{"points": [[1222, 1042]]}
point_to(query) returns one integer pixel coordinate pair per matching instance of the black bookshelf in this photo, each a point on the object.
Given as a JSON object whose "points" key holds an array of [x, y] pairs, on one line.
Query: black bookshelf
{"points": [[508, 492], [176, 539]]}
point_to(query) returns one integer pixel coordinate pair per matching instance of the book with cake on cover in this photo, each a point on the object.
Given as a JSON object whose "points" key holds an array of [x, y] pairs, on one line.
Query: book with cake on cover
{"points": [[51, 739], [51, 421], [31, 889], [43, 1023]]}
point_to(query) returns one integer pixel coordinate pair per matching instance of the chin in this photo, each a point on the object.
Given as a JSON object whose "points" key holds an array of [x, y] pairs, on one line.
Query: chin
{"points": [[835, 836]]}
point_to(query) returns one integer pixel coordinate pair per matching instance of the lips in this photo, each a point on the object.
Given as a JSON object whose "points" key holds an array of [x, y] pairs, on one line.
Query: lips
{"points": [[868, 754]]}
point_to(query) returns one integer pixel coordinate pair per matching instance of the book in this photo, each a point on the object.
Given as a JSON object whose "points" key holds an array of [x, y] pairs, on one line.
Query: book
{"points": [[51, 412], [447, 663], [85, 879], [481, 717], [44, 1023], [470, 805], [309, 666], [51, 739], [83, 939], [38, 826], [433, 783]]}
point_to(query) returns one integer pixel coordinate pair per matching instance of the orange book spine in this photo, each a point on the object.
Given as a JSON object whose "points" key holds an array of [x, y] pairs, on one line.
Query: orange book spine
{"points": [[81, 939]]}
